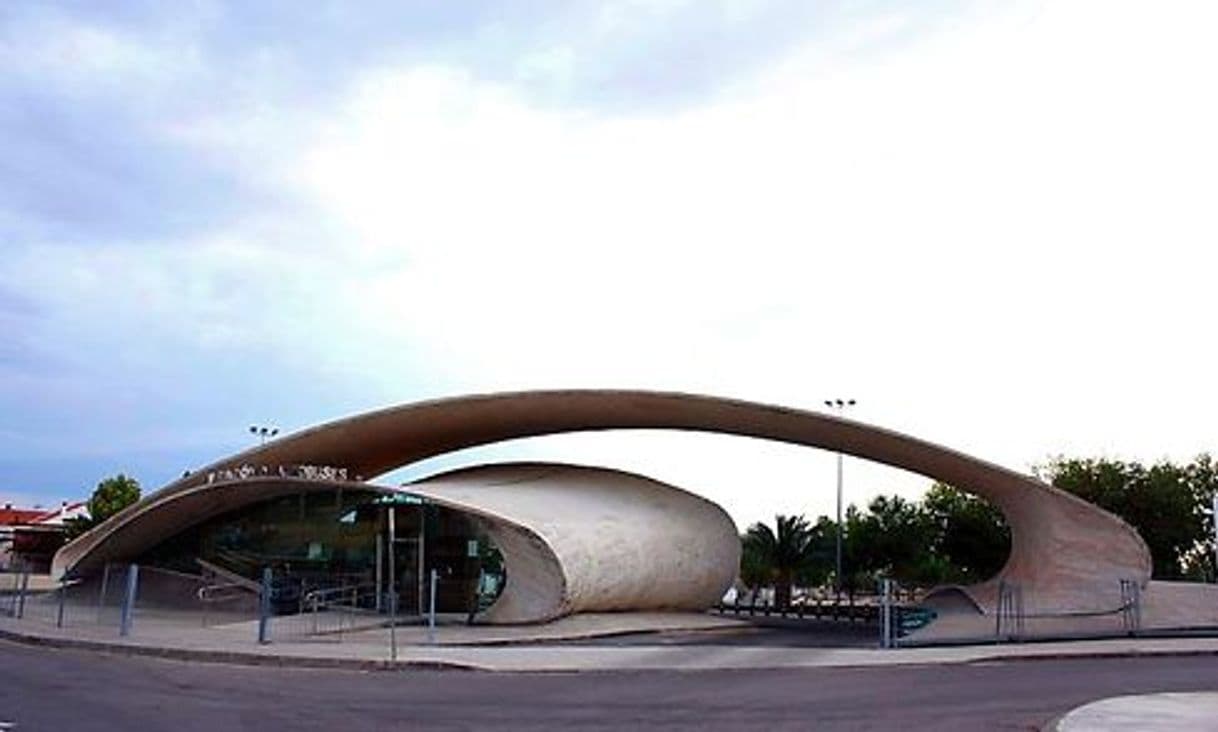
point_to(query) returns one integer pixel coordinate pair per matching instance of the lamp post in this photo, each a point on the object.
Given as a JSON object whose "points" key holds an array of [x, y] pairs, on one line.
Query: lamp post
{"points": [[839, 405], [263, 433]]}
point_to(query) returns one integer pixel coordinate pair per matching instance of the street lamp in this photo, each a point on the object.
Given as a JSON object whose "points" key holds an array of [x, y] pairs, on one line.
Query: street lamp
{"points": [[839, 405], [263, 433]]}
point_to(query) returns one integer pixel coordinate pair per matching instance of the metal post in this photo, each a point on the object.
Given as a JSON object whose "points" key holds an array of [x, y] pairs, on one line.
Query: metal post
{"points": [[101, 596], [888, 610], [133, 579], [380, 571], [1019, 611], [25, 586], [839, 531], [63, 590], [314, 595], [885, 613], [1214, 521], [431, 610], [422, 558], [1002, 601], [264, 607], [1137, 606], [839, 405], [393, 597]]}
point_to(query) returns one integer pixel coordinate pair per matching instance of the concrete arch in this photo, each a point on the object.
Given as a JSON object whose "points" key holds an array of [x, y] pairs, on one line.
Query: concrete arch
{"points": [[1067, 554]]}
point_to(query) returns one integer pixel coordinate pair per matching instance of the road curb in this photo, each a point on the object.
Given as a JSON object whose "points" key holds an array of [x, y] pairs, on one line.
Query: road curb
{"points": [[288, 660], [1096, 655], [238, 657]]}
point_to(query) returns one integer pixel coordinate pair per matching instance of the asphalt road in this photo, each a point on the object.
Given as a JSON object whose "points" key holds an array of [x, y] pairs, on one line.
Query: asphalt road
{"points": [[51, 689]]}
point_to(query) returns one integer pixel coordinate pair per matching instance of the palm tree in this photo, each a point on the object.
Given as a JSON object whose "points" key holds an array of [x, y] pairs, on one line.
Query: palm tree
{"points": [[782, 553]]}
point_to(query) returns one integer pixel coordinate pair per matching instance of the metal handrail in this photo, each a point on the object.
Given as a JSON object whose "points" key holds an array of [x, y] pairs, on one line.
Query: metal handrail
{"points": [[214, 593]]}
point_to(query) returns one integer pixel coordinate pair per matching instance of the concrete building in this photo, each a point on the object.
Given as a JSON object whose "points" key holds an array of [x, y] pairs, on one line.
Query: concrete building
{"points": [[570, 538]]}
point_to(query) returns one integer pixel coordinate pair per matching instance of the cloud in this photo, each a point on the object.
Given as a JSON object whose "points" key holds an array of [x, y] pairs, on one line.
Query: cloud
{"points": [[960, 219], [989, 223]]}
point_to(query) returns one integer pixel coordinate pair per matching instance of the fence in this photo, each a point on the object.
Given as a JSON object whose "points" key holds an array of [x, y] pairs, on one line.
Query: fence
{"points": [[321, 613], [123, 596], [143, 600], [897, 614], [854, 609], [1013, 622]]}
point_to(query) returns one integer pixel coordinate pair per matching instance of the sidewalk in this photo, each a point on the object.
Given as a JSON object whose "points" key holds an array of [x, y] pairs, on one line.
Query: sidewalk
{"points": [[1170, 711], [534, 649]]}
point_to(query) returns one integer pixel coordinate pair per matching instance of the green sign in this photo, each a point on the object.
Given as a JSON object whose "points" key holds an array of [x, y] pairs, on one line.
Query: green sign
{"points": [[400, 499]]}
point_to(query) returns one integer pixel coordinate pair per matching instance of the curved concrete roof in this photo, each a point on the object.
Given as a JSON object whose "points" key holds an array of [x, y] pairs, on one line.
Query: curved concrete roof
{"points": [[1067, 554], [581, 539]]}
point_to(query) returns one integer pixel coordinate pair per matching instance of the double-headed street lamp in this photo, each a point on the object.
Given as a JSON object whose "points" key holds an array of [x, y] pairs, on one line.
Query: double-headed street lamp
{"points": [[840, 405], [263, 433]]}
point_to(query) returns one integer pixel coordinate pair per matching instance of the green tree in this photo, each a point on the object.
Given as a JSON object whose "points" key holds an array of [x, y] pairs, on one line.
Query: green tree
{"points": [[972, 540], [780, 554], [893, 538], [111, 496], [822, 554], [1202, 478], [1167, 504]]}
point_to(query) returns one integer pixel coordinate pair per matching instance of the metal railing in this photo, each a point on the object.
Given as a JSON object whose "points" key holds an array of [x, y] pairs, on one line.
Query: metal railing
{"points": [[846, 609], [1009, 616]]}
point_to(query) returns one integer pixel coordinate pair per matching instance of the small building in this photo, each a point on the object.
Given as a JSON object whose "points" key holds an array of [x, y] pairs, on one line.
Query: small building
{"points": [[29, 537]]}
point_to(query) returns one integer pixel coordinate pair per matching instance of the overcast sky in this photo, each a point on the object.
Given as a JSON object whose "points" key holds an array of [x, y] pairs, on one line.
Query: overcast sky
{"points": [[992, 223]]}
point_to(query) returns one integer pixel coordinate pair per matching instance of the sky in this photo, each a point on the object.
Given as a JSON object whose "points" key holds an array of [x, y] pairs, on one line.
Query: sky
{"points": [[991, 223]]}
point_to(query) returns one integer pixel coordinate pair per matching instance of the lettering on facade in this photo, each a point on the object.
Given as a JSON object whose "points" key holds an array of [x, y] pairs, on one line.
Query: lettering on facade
{"points": [[305, 472]]}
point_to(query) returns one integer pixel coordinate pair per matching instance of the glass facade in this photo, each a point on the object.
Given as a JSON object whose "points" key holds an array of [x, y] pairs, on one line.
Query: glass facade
{"points": [[340, 540]]}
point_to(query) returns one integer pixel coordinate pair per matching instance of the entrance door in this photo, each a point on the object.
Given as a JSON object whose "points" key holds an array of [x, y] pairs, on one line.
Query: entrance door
{"points": [[401, 572]]}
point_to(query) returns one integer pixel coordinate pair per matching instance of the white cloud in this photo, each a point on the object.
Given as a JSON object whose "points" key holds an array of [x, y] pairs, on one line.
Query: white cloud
{"points": [[995, 235], [83, 58], [984, 234]]}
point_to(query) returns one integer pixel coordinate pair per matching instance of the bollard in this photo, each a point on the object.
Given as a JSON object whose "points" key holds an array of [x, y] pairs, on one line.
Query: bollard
{"points": [[264, 608], [25, 586], [431, 610], [133, 579], [63, 590]]}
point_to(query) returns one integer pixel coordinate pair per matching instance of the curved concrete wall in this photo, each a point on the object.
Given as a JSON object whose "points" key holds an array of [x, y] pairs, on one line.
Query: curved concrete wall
{"points": [[578, 539], [1067, 554]]}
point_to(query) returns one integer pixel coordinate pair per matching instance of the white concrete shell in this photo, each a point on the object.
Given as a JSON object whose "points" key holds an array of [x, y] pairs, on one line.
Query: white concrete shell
{"points": [[1067, 555], [579, 539]]}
